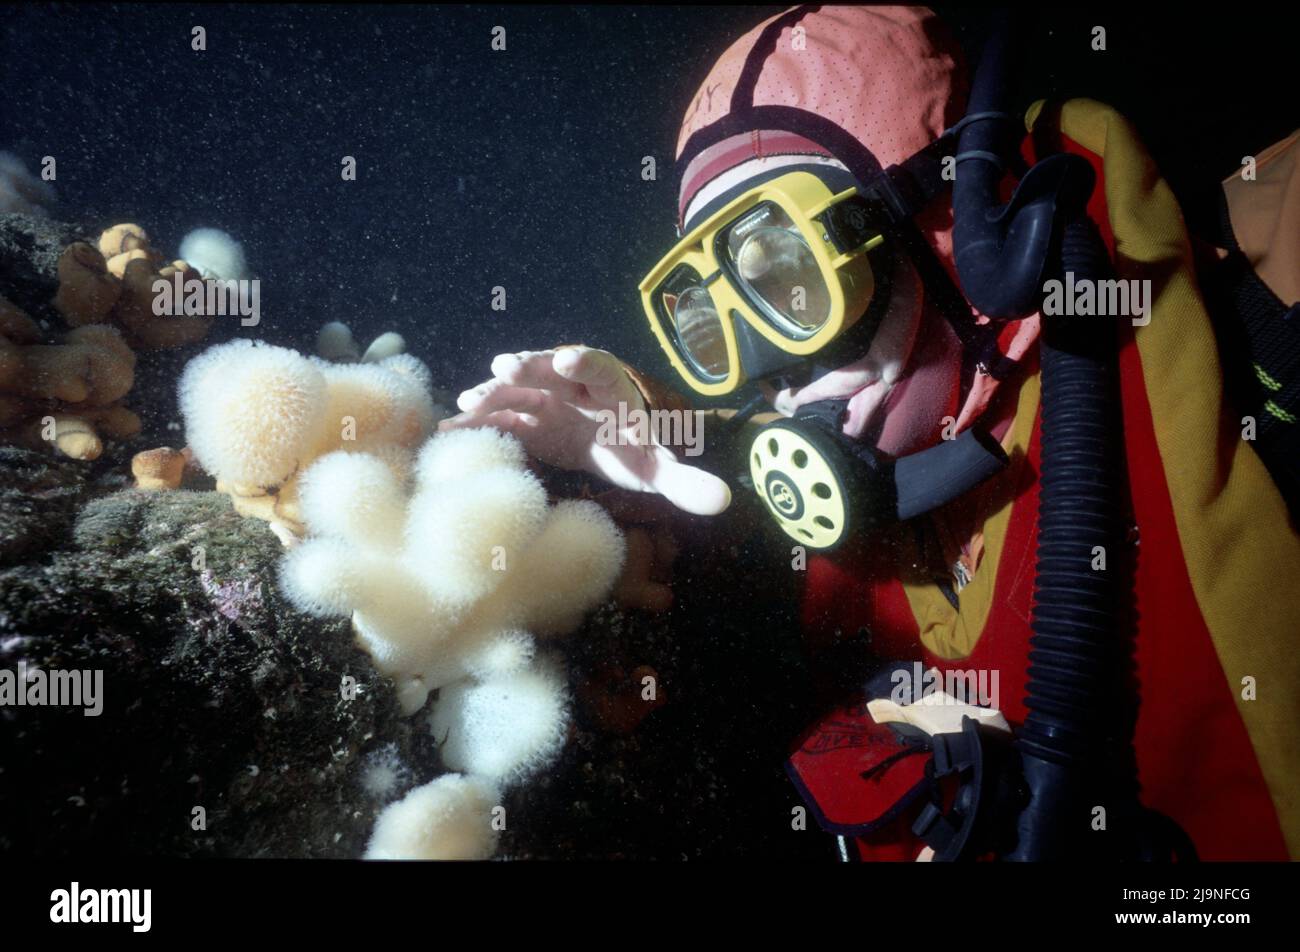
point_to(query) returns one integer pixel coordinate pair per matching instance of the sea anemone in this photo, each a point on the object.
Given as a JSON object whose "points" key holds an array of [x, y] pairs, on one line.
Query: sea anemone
{"points": [[67, 395], [159, 468]]}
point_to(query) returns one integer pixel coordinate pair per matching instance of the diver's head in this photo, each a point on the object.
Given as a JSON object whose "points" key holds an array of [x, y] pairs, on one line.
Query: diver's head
{"points": [[787, 265], [810, 240]]}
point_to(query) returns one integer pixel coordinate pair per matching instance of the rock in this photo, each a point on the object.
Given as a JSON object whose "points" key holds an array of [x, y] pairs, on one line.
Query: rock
{"points": [[216, 693], [39, 497], [29, 261]]}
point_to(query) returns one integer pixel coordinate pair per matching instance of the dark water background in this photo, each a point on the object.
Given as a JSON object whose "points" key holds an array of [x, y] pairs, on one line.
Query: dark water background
{"points": [[478, 168]]}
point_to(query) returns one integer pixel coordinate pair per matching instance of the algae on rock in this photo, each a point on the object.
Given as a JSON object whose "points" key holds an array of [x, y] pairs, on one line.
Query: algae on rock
{"points": [[217, 694]]}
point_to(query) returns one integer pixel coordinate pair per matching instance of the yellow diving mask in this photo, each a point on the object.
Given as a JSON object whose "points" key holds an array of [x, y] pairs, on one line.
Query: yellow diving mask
{"points": [[766, 281]]}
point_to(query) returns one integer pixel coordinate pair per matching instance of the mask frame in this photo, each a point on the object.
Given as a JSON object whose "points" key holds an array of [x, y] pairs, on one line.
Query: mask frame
{"points": [[834, 227]]}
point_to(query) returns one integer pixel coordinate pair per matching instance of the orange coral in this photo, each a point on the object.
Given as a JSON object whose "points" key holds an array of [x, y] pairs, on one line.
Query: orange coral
{"points": [[618, 702], [87, 292], [120, 238], [160, 468], [114, 284], [63, 395]]}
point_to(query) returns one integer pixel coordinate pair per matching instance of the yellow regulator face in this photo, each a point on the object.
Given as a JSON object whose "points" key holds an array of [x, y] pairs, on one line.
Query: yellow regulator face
{"points": [[799, 488]]}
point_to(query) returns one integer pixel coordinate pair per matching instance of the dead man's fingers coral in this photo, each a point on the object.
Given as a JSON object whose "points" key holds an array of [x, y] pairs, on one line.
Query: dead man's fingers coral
{"points": [[252, 411], [355, 497], [404, 629], [323, 576], [463, 454], [334, 342], [499, 653], [451, 818], [413, 369], [462, 536], [373, 405], [388, 344], [505, 728], [569, 568], [395, 624]]}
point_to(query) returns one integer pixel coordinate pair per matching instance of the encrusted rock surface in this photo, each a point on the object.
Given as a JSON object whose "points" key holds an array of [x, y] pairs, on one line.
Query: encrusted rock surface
{"points": [[219, 695], [216, 693]]}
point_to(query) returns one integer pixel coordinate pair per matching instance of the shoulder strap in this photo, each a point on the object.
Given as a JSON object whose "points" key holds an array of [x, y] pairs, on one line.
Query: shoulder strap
{"points": [[1260, 336]]}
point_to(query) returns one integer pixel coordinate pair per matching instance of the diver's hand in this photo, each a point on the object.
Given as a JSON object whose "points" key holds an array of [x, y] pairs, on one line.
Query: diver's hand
{"points": [[555, 402]]}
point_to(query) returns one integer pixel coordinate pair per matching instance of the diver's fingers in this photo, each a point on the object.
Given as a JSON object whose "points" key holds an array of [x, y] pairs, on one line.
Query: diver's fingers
{"points": [[597, 370], [687, 487], [497, 395], [534, 368], [522, 425], [864, 405]]}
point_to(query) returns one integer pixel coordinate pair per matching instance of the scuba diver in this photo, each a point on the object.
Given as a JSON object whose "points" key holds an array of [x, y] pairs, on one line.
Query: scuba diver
{"points": [[1057, 539]]}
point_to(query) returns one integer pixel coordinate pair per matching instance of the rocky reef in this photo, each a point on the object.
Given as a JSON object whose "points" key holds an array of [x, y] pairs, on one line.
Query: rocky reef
{"points": [[216, 693], [235, 725]]}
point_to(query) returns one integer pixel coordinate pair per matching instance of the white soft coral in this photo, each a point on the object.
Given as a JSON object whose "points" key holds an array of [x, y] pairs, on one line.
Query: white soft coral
{"points": [[447, 586], [256, 416]]}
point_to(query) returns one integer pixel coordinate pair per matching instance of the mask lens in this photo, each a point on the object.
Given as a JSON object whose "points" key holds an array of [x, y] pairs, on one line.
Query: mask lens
{"points": [[778, 271], [699, 329]]}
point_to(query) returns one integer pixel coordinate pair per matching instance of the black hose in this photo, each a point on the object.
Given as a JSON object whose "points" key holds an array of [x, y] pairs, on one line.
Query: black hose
{"points": [[1075, 730], [998, 277], [1074, 653], [1076, 744], [1004, 254]]}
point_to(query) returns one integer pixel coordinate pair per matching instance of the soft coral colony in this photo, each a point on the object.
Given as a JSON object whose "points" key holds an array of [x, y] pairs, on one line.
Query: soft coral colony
{"points": [[445, 552], [70, 393]]}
